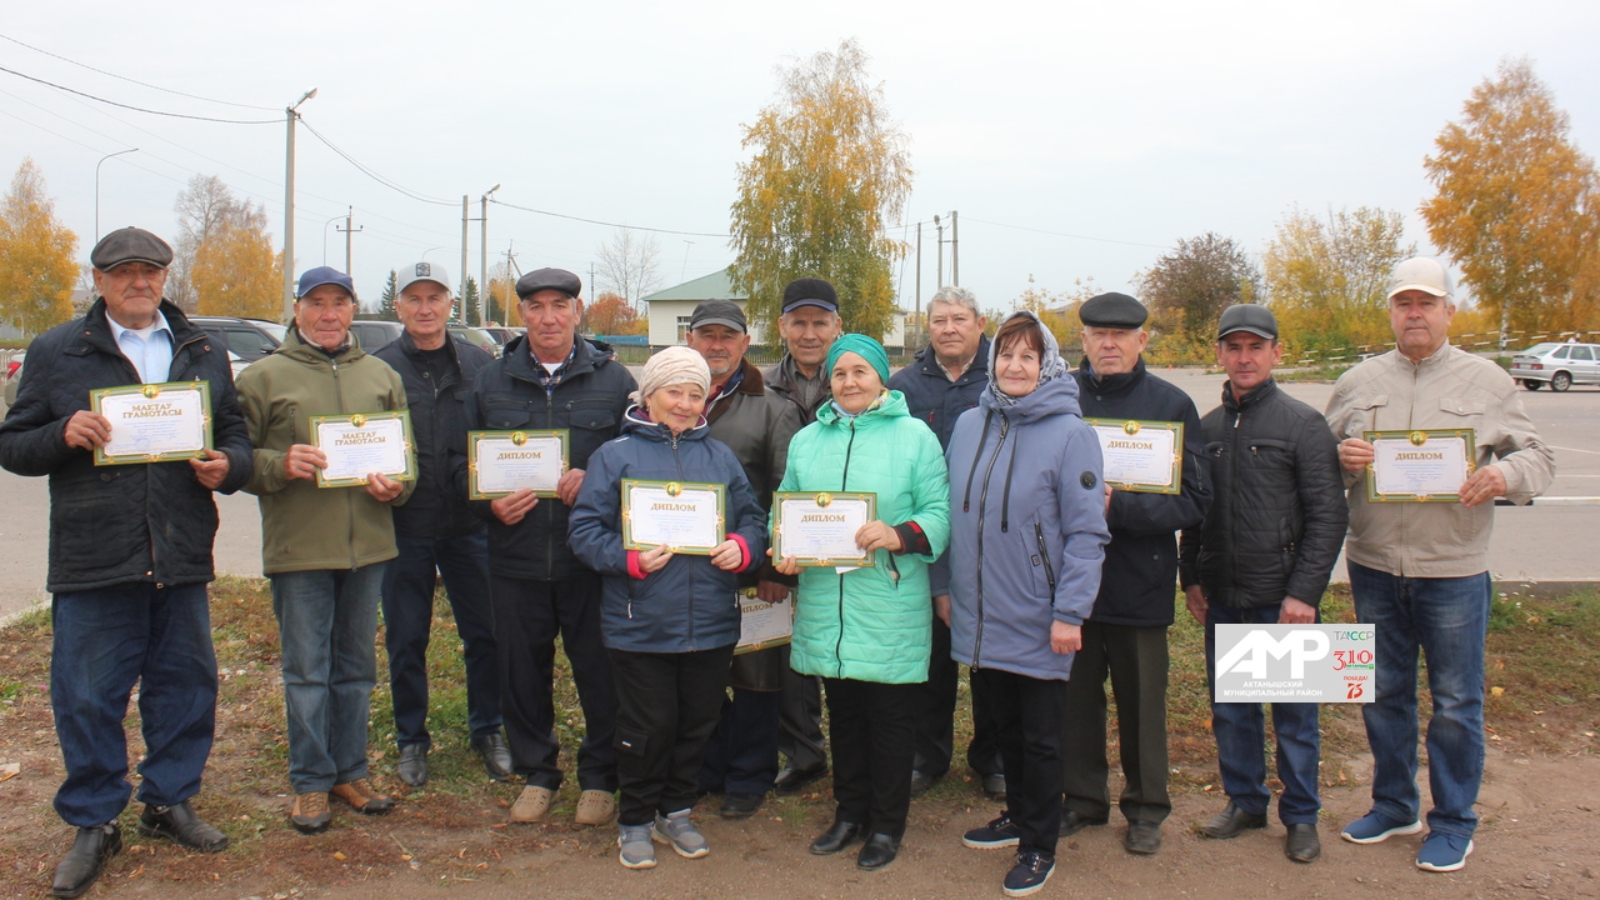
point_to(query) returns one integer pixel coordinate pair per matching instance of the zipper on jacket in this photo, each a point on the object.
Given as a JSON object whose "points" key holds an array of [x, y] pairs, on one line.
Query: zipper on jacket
{"points": [[677, 462], [550, 514], [844, 485], [1233, 488], [349, 496], [983, 503], [1044, 556]]}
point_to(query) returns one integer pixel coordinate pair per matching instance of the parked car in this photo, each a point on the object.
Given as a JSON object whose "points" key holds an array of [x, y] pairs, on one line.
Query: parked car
{"points": [[250, 338], [1559, 365], [13, 375], [501, 334], [374, 333], [477, 336]]}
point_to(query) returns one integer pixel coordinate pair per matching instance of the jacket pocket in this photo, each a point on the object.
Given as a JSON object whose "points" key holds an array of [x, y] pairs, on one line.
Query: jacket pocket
{"points": [[1044, 559], [1368, 411], [632, 742]]}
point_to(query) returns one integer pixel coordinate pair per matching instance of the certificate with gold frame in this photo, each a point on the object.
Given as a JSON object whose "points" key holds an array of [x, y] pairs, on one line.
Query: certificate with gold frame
{"points": [[152, 423], [1420, 466], [500, 463], [684, 516], [1141, 456], [819, 528], [762, 624], [361, 445]]}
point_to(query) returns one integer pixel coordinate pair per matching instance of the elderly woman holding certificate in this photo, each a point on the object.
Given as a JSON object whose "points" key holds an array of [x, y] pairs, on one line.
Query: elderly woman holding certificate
{"points": [[669, 614], [865, 626], [1027, 539]]}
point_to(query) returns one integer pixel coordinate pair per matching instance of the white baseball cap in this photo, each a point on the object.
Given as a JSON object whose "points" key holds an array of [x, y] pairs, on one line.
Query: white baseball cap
{"points": [[1421, 273], [423, 271]]}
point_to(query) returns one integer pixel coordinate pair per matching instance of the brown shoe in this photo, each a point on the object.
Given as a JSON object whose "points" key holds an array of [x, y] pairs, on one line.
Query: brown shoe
{"points": [[531, 805], [362, 798], [310, 814], [595, 808]]}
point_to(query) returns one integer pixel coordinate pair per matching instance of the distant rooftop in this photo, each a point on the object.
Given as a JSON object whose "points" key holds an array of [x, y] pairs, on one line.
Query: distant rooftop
{"points": [[716, 286]]}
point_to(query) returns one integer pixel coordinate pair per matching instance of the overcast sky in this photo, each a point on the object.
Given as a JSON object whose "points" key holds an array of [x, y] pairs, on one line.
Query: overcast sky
{"points": [[1120, 128]]}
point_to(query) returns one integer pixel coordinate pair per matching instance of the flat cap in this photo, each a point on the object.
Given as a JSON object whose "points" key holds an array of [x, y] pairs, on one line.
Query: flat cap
{"points": [[810, 292], [549, 280], [311, 279], [1113, 310], [1251, 317], [126, 245], [719, 312]]}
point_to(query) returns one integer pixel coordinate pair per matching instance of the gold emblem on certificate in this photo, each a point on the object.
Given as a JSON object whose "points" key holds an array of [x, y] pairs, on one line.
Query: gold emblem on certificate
{"points": [[819, 529], [1141, 456], [762, 624], [500, 463], [154, 422], [364, 444], [1419, 466], [684, 516]]}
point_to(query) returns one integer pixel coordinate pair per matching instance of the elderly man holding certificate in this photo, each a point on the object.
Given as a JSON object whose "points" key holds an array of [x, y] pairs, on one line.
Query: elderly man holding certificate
{"points": [[1431, 435], [318, 405]]}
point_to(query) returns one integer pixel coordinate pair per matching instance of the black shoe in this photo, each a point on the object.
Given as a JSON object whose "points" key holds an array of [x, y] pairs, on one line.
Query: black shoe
{"points": [[179, 823], [921, 781], [413, 767], [1074, 822], [1143, 838], [1029, 874], [791, 780], [1303, 845], [739, 805], [496, 755], [838, 836], [87, 858], [1001, 832], [994, 786], [877, 852], [1232, 822]]}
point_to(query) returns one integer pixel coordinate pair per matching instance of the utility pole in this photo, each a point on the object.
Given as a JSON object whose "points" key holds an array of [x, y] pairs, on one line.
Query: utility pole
{"points": [[288, 207], [349, 211], [483, 252], [939, 272], [918, 342], [464, 240], [955, 250]]}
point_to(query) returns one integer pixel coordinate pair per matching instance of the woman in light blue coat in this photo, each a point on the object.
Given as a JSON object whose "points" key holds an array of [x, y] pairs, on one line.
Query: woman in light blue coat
{"points": [[1027, 539]]}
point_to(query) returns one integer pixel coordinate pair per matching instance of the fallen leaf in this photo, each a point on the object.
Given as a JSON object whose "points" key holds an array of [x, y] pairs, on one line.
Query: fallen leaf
{"points": [[1497, 691], [339, 856], [10, 770]]}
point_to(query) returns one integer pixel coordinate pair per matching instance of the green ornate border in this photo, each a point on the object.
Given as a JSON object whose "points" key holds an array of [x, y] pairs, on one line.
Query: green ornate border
{"points": [[778, 497], [1139, 425], [1465, 434], [96, 396], [628, 484], [473, 437], [410, 474]]}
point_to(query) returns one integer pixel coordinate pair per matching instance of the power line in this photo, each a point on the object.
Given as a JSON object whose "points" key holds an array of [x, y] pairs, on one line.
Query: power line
{"points": [[543, 212], [369, 173], [1079, 237], [154, 87], [153, 112]]}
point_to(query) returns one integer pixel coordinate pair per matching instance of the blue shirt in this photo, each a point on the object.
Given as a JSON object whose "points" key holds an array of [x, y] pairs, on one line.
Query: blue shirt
{"points": [[149, 349]]}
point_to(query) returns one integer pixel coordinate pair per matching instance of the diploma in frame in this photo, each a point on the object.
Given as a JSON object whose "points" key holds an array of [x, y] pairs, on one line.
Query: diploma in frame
{"points": [[500, 463], [819, 529], [1420, 466], [1141, 456], [762, 624], [684, 516], [153, 423], [362, 445]]}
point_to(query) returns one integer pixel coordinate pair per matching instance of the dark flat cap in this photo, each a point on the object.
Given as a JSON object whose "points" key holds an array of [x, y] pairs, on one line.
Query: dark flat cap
{"points": [[1257, 320], [810, 292], [1113, 310], [549, 280], [718, 312], [126, 245]]}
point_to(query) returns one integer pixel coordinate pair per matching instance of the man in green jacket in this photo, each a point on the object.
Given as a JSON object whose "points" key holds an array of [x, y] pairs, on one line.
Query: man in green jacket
{"points": [[323, 548]]}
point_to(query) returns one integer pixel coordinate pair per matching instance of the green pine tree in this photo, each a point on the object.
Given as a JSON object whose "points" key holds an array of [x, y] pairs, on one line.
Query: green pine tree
{"points": [[391, 293], [470, 303]]}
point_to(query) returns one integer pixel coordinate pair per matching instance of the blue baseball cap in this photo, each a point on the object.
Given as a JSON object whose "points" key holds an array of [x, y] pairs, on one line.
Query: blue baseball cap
{"points": [[312, 279]]}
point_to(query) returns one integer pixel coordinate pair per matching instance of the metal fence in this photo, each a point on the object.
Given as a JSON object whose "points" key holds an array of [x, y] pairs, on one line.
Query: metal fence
{"points": [[1477, 343]]}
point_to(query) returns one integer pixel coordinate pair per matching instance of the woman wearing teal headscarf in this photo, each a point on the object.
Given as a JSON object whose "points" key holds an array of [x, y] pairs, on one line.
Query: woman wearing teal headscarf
{"points": [[869, 631]]}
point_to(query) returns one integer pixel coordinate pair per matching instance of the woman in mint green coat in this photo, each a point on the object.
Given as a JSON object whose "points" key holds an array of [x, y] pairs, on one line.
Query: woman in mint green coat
{"points": [[869, 631]]}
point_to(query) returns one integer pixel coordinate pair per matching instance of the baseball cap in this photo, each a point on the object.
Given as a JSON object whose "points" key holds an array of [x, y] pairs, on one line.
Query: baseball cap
{"points": [[312, 279], [423, 271], [718, 312], [1256, 319], [126, 245], [810, 292], [1421, 273]]}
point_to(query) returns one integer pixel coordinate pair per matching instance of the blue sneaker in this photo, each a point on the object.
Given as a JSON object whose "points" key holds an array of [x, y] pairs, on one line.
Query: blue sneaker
{"points": [[1375, 828], [1001, 832], [1444, 852]]}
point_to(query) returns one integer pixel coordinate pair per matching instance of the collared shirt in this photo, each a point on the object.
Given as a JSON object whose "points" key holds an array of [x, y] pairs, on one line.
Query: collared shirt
{"points": [[148, 348], [550, 378], [957, 376]]}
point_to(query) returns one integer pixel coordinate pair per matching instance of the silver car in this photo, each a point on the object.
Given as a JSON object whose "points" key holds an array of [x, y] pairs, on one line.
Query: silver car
{"points": [[1559, 365]]}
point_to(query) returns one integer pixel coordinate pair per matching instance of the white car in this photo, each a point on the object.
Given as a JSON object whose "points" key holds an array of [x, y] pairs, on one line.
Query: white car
{"points": [[1559, 365]]}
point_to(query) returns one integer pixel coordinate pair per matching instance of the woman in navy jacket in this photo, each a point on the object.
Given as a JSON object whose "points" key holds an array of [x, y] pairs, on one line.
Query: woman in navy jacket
{"points": [[669, 621]]}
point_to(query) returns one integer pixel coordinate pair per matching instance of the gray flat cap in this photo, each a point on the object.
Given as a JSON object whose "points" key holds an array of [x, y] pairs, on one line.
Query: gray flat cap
{"points": [[1113, 310], [549, 280], [126, 245], [1258, 320]]}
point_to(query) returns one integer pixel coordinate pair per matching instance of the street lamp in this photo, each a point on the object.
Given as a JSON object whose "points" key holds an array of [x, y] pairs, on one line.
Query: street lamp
{"points": [[97, 188], [325, 238], [288, 206], [483, 240]]}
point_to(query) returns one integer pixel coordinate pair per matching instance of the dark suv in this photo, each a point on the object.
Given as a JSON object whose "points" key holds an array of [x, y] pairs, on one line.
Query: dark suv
{"points": [[250, 338]]}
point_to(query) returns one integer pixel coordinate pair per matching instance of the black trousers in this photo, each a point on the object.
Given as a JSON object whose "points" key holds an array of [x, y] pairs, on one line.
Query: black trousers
{"points": [[1027, 713], [1136, 660], [872, 726], [800, 721], [668, 705], [528, 616], [936, 714], [742, 755]]}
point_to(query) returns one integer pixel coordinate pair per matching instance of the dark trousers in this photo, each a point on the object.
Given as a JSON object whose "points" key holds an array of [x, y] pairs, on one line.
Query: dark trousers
{"points": [[742, 756], [1028, 716], [800, 721], [667, 708], [408, 583], [936, 716], [105, 641], [1136, 660], [873, 727], [528, 615]]}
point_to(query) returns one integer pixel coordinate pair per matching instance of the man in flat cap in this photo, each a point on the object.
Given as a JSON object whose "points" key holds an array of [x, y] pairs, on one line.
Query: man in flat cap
{"points": [[130, 556], [1126, 636], [1263, 557], [756, 424], [325, 549], [436, 534], [550, 378]]}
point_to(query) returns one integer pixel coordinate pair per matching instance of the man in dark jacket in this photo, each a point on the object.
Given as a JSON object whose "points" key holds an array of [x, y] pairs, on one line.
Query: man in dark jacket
{"points": [[436, 534], [1263, 557], [1126, 637], [756, 424], [130, 556], [809, 323], [550, 379], [944, 382]]}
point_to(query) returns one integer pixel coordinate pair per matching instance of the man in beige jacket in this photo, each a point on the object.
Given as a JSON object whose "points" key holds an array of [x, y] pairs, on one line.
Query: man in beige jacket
{"points": [[1419, 571]]}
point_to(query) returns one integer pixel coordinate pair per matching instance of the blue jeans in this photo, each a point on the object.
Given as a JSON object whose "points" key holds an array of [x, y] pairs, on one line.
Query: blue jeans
{"points": [[1447, 619], [1240, 729], [105, 640], [408, 583], [328, 625]]}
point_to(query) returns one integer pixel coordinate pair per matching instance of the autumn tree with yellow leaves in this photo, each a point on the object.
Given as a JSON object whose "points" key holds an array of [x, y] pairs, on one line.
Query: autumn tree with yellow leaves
{"points": [[224, 263], [1327, 278], [37, 267], [830, 170]]}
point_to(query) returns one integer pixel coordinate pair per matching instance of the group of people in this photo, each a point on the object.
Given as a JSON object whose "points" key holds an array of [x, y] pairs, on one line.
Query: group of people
{"points": [[997, 545]]}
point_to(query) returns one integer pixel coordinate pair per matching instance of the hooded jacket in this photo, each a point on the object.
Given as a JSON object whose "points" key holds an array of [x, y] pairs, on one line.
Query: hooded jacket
{"points": [[872, 623], [689, 604]]}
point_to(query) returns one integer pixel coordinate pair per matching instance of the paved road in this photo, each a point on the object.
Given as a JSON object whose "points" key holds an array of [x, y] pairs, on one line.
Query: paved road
{"points": [[1544, 542]]}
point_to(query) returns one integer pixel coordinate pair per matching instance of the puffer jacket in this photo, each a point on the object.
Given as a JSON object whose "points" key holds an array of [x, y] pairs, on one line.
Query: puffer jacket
{"points": [[689, 604], [1027, 540], [1278, 512], [934, 398], [871, 623], [128, 524]]}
